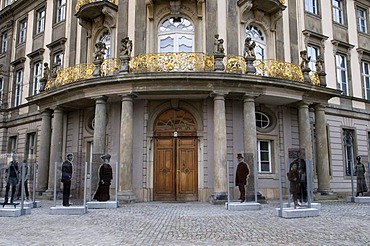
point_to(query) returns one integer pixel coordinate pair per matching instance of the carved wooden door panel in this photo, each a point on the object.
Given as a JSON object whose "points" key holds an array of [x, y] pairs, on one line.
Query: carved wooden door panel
{"points": [[176, 169], [164, 170], [187, 169]]}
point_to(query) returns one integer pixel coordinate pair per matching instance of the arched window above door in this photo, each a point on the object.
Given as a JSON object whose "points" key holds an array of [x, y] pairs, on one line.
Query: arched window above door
{"points": [[257, 36], [176, 34], [175, 120]]}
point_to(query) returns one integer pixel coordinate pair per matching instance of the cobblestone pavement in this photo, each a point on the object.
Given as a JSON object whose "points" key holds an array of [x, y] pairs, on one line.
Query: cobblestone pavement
{"points": [[192, 223]]}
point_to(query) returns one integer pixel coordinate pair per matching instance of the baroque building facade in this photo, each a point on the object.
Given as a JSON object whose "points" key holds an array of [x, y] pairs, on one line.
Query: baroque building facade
{"points": [[151, 83]]}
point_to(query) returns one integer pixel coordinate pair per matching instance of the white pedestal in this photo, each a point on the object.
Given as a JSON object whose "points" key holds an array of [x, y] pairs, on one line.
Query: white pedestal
{"points": [[31, 204], [102, 205], [14, 212], [71, 210], [243, 206], [359, 199], [290, 213], [304, 205]]}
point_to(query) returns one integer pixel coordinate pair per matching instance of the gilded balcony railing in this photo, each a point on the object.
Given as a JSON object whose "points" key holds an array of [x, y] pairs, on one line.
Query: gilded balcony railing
{"points": [[181, 62], [172, 62], [80, 3]]}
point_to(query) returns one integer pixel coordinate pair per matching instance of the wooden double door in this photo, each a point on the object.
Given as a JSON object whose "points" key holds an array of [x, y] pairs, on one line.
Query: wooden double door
{"points": [[175, 169]]}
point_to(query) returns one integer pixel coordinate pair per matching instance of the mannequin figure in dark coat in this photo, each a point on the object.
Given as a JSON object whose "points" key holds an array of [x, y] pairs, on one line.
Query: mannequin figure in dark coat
{"points": [[242, 172], [294, 178], [105, 178], [66, 179]]}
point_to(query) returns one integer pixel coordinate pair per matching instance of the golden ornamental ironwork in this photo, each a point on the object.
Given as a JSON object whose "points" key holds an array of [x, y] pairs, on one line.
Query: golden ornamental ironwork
{"points": [[172, 62], [110, 66], [282, 1], [315, 79], [80, 3], [234, 64], [278, 69]]}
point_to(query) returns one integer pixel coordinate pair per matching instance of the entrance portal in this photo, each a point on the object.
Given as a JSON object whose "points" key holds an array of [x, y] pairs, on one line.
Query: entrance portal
{"points": [[175, 157]]}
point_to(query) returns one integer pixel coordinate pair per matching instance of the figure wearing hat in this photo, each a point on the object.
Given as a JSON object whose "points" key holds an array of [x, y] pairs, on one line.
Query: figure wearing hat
{"points": [[242, 172], [105, 178], [66, 179]]}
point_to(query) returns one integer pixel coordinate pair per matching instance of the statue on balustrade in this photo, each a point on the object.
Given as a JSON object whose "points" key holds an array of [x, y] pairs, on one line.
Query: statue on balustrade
{"points": [[320, 65], [126, 46], [249, 46], [219, 45], [305, 59], [100, 51]]}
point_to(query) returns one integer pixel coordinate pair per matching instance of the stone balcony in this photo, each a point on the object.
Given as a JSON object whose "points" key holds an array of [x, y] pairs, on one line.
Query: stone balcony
{"points": [[181, 62]]}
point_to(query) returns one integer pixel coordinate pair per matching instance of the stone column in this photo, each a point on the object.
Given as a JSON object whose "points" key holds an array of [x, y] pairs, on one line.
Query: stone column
{"points": [[56, 146], [126, 149], [250, 142], [99, 138], [44, 154], [323, 175], [305, 130], [219, 149]]}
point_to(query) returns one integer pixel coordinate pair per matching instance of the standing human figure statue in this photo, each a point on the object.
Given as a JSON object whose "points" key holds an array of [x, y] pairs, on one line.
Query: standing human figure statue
{"points": [[249, 46], [294, 178], [100, 51], [12, 178], [242, 172], [361, 180], [215, 43], [66, 179], [126, 48], [105, 178], [305, 59], [23, 167]]}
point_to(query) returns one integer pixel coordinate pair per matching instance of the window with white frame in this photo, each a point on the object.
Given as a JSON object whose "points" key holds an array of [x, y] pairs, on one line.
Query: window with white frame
{"points": [[40, 21], [311, 6], [12, 147], [365, 67], [58, 58], [259, 38], [349, 150], [176, 34], [1, 91], [7, 2], [105, 38], [4, 42], [18, 88], [61, 11], [31, 146], [37, 71], [341, 67], [338, 11], [22, 31], [264, 156], [262, 120], [361, 20], [313, 52]]}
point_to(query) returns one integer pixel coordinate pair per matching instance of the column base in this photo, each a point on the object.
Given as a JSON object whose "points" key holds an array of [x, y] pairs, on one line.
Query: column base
{"points": [[127, 197], [218, 198]]}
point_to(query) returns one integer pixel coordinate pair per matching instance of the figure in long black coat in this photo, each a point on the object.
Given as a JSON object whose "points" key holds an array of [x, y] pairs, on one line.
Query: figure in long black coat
{"points": [[242, 172], [66, 179], [105, 178]]}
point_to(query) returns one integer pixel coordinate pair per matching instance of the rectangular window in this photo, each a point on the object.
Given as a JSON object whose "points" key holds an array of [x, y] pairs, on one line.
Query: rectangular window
{"points": [[338, 11], [365, 66], [31, 146], [264, 156], [311, 6], [40, 21], [12, 147], [348, 144], [314, 53], [22, 31], [18, 88], [37, 71], [4, 42], [341, 66], [61, 10], [58, 59], [1, 91], [361, 20]]}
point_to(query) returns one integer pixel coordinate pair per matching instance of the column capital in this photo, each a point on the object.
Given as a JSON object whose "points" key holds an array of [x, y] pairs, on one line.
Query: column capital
{"points": [[100, 99], [128, 96], [319, 106], [58, 109], [250, 96], [217, 93], [303, 104]]}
